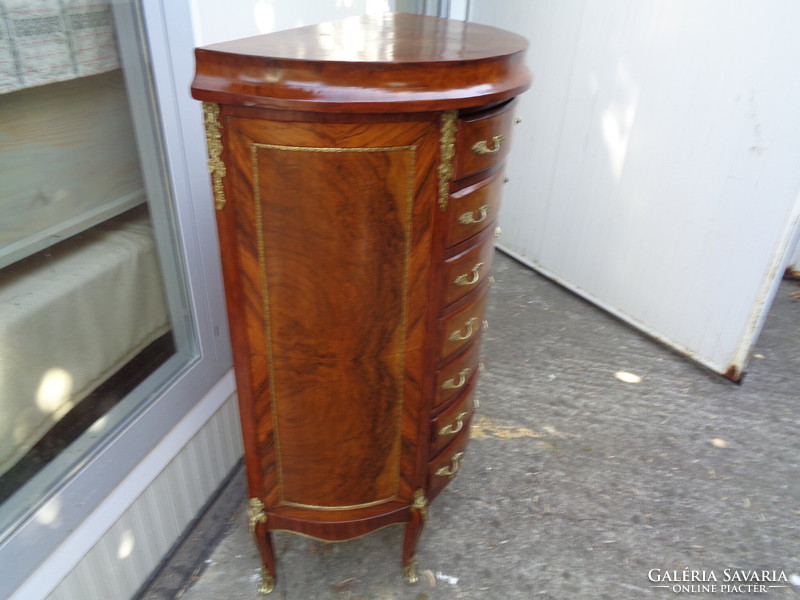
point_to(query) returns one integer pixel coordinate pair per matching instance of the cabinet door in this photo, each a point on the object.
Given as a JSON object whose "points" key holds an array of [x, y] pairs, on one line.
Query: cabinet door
{"points": [[332, 237]]}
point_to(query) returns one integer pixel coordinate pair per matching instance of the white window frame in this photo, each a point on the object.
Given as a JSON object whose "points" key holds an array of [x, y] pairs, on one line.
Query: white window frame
{"points": [[31, 557]]}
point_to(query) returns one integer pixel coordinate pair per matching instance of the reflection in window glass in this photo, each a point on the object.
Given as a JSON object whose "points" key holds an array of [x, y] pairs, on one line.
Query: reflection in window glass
{"points": [[84, 315]]}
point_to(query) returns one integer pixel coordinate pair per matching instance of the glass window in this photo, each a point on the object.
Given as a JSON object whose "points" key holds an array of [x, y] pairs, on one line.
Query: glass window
{"points": [[92, 292]]}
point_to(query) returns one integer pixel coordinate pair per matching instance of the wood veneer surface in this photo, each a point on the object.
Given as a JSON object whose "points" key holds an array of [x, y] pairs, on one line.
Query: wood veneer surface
{"points": [[370, 63], [338, 146]]}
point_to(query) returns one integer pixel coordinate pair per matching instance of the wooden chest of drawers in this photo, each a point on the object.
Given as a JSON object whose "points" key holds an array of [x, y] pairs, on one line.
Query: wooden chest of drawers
{"points": [[357, 168]]}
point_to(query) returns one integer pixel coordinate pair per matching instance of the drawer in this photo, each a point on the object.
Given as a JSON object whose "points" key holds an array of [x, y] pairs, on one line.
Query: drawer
{"points": [[473, 209], [444, 467], [461, 327], [453, 421], [465, 271], [457, 375], [483, 139]]}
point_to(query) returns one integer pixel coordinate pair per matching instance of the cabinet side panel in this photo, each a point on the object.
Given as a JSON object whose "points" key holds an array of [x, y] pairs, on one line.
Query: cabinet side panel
{"points": [[334, 241]]}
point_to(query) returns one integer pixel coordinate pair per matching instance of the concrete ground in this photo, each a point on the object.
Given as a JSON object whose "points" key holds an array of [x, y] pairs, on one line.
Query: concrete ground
{"points": [[576, 484]]}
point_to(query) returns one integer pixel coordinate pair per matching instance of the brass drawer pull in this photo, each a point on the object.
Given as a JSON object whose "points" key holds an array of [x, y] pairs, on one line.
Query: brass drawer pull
{"points": [[482, 147], [457, 336], [453, 468], [469, 278], [452, 384], [468, 218], [454, 428]]}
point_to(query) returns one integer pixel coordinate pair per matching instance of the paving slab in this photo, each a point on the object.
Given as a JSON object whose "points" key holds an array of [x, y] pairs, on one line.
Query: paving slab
{"points": [[600, 464]]}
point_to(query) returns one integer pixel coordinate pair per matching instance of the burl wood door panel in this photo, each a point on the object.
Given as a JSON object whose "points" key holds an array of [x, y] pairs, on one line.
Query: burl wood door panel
{"points": [[336, 301]]}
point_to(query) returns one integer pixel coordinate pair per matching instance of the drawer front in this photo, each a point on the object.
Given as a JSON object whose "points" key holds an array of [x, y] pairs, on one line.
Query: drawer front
{"points": [[467, 271], [454, 420], [483, 140], [462, 327], [457, 376], [473, 209], [443, 468]]}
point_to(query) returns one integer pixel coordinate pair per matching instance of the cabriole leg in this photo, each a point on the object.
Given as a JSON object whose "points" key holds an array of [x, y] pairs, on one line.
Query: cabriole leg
{"points": [[263, 540], [419, 514], [267, 581]]}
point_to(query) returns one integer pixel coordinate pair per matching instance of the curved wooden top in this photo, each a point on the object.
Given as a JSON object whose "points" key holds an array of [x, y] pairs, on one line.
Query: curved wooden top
{"points": [[372, 63]]}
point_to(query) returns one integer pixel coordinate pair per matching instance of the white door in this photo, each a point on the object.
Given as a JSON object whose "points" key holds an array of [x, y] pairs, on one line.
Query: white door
{"points": [[657, 168]]}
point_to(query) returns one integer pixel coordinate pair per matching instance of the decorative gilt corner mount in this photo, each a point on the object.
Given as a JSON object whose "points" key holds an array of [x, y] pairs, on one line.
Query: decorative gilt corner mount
{"points": [[447, 150], [255, 514], [421, 504], [214, 142]]}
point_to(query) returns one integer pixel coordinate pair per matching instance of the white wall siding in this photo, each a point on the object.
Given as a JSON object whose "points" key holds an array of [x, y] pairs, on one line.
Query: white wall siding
{"points": [[122, 560], [655, 171]]}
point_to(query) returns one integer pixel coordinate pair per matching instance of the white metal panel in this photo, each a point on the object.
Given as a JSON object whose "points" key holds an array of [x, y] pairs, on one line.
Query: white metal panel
{"points": [[458, 9], [656, 168]]}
